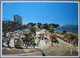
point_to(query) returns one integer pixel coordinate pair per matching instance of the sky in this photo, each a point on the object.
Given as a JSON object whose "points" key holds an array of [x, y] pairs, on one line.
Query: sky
{"points": [[61, 13]]}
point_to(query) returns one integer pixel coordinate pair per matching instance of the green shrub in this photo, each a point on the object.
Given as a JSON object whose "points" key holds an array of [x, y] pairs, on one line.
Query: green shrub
{"points": [[24, 39], [72, 37], [51, 30], [64, 32], [31, 39], [32, 29]]}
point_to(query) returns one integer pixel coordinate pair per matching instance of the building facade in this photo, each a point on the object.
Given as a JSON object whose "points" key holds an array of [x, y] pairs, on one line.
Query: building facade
{"points": [[18, 19]]}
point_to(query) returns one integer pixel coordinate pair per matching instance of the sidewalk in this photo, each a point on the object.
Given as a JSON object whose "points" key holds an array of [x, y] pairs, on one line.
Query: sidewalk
{"points": [[18, 51]]}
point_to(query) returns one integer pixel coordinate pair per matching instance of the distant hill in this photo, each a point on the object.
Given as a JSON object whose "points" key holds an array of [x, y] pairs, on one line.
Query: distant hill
{"points": [[70, 26]]}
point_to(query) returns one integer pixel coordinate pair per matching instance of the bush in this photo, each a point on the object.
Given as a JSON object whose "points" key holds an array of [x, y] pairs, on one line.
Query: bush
{"points": [[25, 27], [51, 30], [31, 38], [24, 39], [72, 36], [4, 29], [28, 37], [32, 29], [64, 32]]}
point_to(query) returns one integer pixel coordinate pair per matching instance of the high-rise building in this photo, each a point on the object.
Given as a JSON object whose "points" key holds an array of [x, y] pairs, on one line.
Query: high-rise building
{"points": [[18, 19]]}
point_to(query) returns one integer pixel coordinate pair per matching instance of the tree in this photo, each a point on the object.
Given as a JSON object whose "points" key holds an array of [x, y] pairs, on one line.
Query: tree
{"points": [[45, 26], [39, 25], [31, 24], [32, 29], [34, 24], [56, 25]]}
